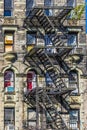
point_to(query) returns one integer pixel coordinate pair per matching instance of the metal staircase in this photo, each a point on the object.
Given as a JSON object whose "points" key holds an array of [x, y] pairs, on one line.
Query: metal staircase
{"points": [[47, 25], [45, 64], [55, 121], [56, 118], [63, 14], [49, 28], [49, 67], [54, 73]]}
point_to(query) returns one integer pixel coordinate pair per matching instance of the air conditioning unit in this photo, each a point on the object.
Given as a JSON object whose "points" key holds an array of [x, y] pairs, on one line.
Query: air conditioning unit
{"points": [[10, 127]]}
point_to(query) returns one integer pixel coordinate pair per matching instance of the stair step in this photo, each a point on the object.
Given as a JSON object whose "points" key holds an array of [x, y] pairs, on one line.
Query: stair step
{"points": [[39, 13]]}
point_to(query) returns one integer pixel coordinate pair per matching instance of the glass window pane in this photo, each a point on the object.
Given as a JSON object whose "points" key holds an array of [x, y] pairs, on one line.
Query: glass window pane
{"points": [[74, 119], [72, 39], [8, 48], [73, 81], [31, 39], [49, 45], [49, 81], [9, 114], [48, 3], [9, 81], [31, 117], [29, 5], [7, 13], [8, 3], [71, 3], [31, 80], [8, 38]]}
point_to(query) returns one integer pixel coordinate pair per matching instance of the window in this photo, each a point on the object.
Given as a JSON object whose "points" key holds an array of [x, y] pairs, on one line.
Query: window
{"points": [[8, 7], [74, 81], [9, 118], [48, 44], [72, 39], [71, 3], [31, 117], [31, 80], [48, 3], [31, 38], [8, 41], [49, 82], [9, 81], [74, 119], [29, 5]]}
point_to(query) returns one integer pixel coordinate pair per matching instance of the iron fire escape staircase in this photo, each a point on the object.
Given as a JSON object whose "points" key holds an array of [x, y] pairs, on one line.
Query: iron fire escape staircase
{"points": [[60, 86], [47, 103], [49, 28]]}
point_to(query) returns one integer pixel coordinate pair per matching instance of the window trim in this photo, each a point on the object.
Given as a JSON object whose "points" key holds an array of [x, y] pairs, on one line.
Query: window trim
{"points": [[34, 109], [32, 33], [9, 32], [13, 115], [76, 35], [9, 9], [48, 12], [78, 117], [11, 81], [75, 83], [31, 81], [30, 6]]}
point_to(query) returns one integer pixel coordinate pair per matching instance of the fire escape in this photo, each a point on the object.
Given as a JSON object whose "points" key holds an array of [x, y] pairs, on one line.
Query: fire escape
{"points": [[38, 58]]}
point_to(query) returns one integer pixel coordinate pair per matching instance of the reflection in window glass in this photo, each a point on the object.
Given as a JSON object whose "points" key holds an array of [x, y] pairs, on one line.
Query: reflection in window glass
{"points": [[31, 117], [31, 80], [8, 7], [31, 38], [48, 44], [74, 119], [8, 41], [72, 39], [49, 82], [71, 3], [48, 3], [73, 81], [9, 117], [29, 5], [9, 81]]}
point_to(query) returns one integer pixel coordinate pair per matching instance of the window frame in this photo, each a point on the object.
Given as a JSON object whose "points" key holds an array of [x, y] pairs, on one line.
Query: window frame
{"points": [[29, 7], [31, 83], [29, 120], [48, 44], [10, 9], [12, 81], [74, 82], [9, 33], [49, 82], [74, 2], [48, 12], [11, 121], [31, 33], [78, 120], [69, 42]]}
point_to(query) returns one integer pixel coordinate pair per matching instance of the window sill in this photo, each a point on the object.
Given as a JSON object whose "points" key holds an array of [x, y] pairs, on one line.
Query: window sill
{"points": [[75, 94], [10, 93]]}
